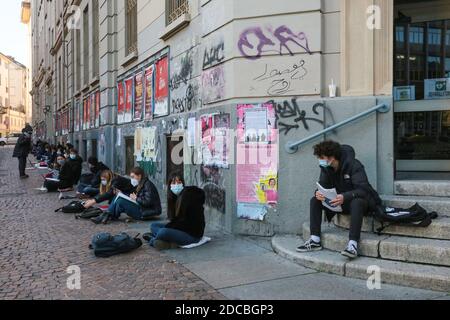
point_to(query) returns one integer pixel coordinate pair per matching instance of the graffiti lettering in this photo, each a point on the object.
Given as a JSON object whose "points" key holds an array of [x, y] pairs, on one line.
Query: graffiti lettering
{"points": [[280, 81], [213, 84], [254, 41], [290, 110], [212, 184], [213, 55], [185, 72]]}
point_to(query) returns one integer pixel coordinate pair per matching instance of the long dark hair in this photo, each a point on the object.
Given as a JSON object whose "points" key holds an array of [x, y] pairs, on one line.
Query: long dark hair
{"points": [[171, 197]]}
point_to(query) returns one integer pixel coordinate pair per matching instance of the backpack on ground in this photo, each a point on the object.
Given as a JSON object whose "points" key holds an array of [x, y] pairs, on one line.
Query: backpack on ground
{"points": [[105, 245], [89, 213], [73, 207], [416, 216]]}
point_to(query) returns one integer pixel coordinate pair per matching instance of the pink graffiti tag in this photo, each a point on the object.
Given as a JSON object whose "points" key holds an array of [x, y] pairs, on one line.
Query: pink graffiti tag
{"points": [[283, 34]]}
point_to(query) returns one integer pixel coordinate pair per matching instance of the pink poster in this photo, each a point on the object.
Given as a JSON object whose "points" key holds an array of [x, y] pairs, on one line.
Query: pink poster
{"points": [[256, 123]]}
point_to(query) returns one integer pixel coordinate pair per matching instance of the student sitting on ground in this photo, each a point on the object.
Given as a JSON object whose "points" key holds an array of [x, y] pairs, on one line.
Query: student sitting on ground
{"points": [[76, 164], [65, 178], [340, 170], [109, 187], [186, 215], [145, 201], [92, 186]]}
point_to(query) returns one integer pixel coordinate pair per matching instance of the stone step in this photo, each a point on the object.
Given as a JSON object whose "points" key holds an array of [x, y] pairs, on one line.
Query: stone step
{"points": [[439, 229], [439, 204], [392, 272], [433, 188], [406, 249]]}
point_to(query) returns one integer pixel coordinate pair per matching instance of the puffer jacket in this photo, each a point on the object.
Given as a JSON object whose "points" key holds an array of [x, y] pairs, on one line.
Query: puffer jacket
{"points": [[23, 147], [149, 200]]}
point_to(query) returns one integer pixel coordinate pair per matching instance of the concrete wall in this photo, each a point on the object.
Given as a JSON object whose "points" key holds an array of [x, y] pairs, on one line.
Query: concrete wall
{"points": [[256, 52]]}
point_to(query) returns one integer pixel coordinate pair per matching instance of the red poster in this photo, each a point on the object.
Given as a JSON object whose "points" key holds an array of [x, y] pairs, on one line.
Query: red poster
{"points": [[97, 110], [162, 88], [120, 102], [128, 99], [149, 93], [138, 96], [88, 113], [92, 111]]}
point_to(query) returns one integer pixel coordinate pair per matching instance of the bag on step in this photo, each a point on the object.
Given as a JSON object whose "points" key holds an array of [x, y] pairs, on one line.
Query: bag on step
{"points": [[105, 245], [73, 207], [416, 216], [89, 213]]}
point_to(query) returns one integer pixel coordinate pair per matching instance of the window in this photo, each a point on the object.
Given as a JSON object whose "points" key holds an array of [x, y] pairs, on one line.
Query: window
{"points": [[78, 58], [86, 44], [95, 38], [175, 9], [131, 26]]}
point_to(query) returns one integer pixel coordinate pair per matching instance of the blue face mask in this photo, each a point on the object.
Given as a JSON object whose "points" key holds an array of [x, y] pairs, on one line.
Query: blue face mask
{"points": [[324, 163], [73, 156], [177, 188]]}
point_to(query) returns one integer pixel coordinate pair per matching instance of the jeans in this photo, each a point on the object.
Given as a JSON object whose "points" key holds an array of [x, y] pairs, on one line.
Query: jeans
{"points": [[87, 189], [119, 206], [160, 232], [22, 165], [357, 208]]}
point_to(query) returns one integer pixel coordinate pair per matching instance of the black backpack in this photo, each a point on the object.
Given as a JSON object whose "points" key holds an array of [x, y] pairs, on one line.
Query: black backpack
{"points": [[105, 245], [89, 213], [416, 216], [73, 207]]}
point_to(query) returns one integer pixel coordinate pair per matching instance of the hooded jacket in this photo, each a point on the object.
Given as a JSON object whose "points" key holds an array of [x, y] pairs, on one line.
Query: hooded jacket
{"points": [[190, 212], [350, 180], [23, 146]]}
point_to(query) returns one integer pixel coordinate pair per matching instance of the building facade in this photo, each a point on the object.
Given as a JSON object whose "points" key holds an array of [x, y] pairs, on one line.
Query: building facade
{"points": [[14, 96], [108, 72]]}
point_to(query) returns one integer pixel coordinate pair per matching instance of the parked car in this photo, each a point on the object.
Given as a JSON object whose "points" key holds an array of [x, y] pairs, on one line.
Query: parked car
{"points": [[11, 139]]}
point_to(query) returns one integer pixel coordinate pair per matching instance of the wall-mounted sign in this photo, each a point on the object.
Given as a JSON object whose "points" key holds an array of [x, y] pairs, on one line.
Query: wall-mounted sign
{"points": [[404, 93], [437, 88]]}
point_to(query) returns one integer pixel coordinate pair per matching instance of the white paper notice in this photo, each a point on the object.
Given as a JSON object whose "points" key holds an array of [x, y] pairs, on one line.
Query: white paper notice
{"points": [[191, 132], [256, 129]]}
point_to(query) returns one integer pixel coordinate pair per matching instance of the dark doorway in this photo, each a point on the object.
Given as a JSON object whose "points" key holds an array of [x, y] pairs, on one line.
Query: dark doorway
{"points": [[84, 149], [175, 151], [129, 154], [94, 151]]}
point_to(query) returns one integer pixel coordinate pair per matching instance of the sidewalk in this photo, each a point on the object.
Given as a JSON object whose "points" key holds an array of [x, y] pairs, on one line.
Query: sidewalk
{"points": [[38, 245]]}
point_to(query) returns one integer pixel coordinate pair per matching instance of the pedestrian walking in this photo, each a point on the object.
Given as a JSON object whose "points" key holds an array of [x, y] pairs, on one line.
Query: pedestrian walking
{"points": [[22, 149]]}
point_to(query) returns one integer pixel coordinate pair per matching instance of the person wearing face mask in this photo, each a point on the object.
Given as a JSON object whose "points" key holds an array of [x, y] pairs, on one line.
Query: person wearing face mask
{"points": [[146, 201], [341, 170], [65, 177], [22, 149], [186, 214], [90, 187], [76, 164]]}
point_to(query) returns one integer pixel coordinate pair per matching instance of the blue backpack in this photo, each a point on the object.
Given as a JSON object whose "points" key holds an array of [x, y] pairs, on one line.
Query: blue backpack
{"points": [[105, 245]]}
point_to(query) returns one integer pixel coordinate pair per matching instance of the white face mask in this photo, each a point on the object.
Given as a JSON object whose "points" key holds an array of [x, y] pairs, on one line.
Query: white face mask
{"points": [[104, 183], [134, 182]]}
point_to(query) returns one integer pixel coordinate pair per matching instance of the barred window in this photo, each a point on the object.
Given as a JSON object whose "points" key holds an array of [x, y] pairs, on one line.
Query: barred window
{"points": [[175, 9], [131, 26]]}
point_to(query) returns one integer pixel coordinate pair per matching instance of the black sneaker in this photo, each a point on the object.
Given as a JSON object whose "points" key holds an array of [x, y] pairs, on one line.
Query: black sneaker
{"points": [[102, 219], [350, 252], [147, 236], [310, 246]]}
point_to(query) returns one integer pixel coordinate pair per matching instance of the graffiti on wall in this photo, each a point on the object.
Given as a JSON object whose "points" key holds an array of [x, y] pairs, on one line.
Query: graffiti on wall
{"points": [[291, 117], [255, 41], [212, 183], [185, 89], [213, 84], [214, 54], [280, 80]]}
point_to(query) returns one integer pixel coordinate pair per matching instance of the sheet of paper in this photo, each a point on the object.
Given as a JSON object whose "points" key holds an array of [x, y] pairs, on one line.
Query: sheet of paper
{"points": [[330, 194], [191, 132], [123, 196]]}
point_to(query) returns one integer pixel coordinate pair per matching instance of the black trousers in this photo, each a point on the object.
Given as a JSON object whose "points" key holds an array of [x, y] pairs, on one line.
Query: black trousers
{"points": [[22, 165], [356, 208]]}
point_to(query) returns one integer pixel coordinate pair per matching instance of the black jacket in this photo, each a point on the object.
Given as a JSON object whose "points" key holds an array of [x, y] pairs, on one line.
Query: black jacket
{"points": [[23, 147], [149, 200], [120, 183], [350, 180], [66, 178], [97, 174], [190, 217], [76, 166]]}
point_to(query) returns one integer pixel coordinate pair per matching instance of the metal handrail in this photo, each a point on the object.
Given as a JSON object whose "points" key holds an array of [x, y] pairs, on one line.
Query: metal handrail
{"points": [[292, 147]]}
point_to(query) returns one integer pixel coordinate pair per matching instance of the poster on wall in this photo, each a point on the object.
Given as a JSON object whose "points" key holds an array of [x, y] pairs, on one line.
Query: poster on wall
{"points": [[76, 113], [162, 88], [192, 132], [120, 102], [97, 109], [138, 143], [149, 144], [148, 79], [88, 113], [404, 93], [92, 111], [256, 123], [128, 100], [215, 140], [138, 96], [437, 88]]}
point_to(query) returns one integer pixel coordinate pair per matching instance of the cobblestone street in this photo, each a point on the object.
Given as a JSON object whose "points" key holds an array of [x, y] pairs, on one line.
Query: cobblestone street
{"points": [[38, 245]]}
